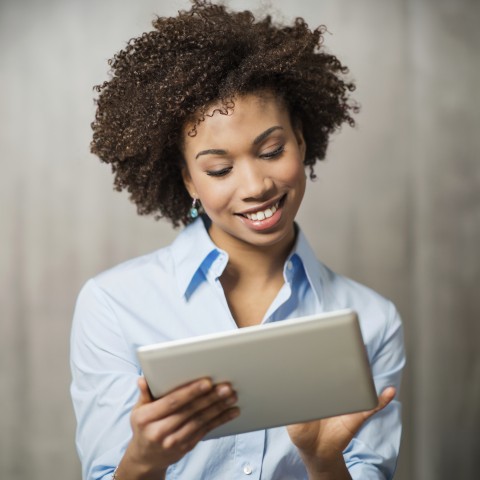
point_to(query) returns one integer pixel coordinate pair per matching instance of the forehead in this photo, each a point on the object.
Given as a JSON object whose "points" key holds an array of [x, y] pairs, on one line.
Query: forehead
{"points": [[251, 115]]}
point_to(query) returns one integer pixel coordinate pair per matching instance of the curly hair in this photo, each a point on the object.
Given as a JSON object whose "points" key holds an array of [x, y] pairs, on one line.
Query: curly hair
{"points": [[208, 54]]}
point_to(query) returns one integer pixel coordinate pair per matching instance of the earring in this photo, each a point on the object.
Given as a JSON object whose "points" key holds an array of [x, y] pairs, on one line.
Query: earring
{"points": [[193, 213]]}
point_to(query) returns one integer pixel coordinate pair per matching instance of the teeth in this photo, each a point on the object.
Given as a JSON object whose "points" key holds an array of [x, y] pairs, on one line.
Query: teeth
{"points": [[263, 214]]}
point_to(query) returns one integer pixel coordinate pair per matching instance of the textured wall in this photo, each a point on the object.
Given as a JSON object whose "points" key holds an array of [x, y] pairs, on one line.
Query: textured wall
{"points": [[396, 206], [446, 192]]}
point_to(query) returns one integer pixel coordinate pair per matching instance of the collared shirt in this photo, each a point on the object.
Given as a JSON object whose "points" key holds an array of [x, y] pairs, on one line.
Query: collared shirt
{"points": [[175, 293]]}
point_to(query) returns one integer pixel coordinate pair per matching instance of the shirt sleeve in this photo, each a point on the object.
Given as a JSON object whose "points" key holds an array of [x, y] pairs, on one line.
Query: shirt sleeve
{"points": [[104, 383], [372, 454]]}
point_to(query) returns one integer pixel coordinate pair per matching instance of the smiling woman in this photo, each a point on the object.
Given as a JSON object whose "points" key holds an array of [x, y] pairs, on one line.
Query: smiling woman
{"points": [[252, 180], [172, 76], [218, 109]]}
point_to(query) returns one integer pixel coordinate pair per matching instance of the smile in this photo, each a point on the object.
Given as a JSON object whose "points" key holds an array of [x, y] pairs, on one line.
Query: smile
{"points": [[265, 213]]}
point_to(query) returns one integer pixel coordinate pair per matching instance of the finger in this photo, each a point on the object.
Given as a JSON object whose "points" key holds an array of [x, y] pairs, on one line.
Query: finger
{"points": [[145, 396], [198, 426], [178, 399], [225, 417], [201, 409], [154, 410], [384, 399]]}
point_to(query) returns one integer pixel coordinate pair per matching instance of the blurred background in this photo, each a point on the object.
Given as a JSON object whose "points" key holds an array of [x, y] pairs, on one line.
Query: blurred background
{"points": [[395, 206]]}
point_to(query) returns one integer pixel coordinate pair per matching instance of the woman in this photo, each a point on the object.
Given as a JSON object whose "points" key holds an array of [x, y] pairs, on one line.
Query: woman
{"points": [[210, 120]]}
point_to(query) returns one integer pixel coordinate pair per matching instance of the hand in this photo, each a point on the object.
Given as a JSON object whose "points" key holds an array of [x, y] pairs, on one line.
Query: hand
{"points": [[325, 439], [164, 430]]}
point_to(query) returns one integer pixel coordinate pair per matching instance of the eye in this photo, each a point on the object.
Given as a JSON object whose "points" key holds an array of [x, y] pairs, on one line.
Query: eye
{"points": [[275, 153], [218, 173]]}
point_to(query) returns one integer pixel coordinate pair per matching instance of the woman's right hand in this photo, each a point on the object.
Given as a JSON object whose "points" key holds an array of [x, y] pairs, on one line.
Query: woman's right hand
{"points": [[164, 430]]}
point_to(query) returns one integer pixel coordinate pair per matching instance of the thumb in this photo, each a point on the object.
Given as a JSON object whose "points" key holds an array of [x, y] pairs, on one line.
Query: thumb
{"points": [[384, 399], [145, 395]]}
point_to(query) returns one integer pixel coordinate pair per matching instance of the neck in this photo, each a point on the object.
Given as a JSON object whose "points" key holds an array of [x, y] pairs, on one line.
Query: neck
{"points": [[261, 262]]}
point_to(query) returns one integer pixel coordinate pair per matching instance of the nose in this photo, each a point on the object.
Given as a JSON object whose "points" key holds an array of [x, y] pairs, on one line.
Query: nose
{"points": [[256, 182]]}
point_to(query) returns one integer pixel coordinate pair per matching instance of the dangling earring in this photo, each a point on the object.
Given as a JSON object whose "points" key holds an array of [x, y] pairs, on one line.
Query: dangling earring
{"points": [[193, 213]]}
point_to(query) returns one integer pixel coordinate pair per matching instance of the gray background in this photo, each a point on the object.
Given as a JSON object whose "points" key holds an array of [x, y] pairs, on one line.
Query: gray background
{"points": [[396, 206]]}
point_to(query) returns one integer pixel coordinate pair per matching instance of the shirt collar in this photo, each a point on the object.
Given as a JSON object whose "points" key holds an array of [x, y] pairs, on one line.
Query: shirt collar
{"points": [[314, 272], [194, 252]]}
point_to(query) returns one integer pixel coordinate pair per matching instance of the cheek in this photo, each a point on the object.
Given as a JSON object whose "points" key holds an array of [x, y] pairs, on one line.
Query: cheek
{"points": [[213, 193], [294, 172]]}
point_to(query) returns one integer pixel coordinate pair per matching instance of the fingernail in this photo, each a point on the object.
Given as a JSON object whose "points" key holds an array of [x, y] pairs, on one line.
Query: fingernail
{"points": [[224, 391], [205, 385], [235, 412], [230, 400]]}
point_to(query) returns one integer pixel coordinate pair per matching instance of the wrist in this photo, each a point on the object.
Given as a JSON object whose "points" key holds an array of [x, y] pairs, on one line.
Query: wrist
{"points": [[130, 468], [127, 473], [331, 467]]}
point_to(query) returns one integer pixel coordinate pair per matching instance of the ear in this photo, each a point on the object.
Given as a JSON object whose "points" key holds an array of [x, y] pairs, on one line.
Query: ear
{"points": [[188, 182]]}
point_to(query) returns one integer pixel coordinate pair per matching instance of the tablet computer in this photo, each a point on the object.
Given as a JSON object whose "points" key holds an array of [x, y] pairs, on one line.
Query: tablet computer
{"points": [[284, 372]]}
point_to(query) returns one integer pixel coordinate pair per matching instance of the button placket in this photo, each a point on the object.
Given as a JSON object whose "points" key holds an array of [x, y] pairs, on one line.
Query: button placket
{"points": [[249, 451]]}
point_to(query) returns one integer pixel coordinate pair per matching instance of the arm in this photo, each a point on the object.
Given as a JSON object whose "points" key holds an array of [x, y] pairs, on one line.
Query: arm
{"points": [[164, 430], [371, 447], [116, 425], [322, 442], [104, 378]]}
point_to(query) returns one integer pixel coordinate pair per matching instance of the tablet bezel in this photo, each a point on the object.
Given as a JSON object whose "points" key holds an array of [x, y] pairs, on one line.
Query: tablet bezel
{"points": [[284, 372]]}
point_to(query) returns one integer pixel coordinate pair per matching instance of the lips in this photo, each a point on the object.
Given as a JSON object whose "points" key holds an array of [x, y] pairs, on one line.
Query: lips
{"points": [[264, 212]]}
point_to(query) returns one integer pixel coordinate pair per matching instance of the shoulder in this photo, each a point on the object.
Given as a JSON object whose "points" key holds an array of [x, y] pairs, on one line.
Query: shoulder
{"points": [[130, 286], [137, 270], [348, 293], [119, 307], [335, 291], [167, 269], [378, 316]]}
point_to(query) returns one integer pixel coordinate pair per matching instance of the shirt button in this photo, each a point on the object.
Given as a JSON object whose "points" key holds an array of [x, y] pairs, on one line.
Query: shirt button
{"points": [[247, 470], [289, 265]]}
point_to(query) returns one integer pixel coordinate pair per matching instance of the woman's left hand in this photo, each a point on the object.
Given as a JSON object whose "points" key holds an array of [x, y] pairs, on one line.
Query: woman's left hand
{"points": [[323, 440]]}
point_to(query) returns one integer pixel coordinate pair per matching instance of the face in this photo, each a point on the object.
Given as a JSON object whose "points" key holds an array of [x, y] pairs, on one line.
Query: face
{"points": [[247, 170]]}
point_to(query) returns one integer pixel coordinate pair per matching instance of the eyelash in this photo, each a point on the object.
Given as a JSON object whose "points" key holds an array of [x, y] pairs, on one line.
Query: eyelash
{"points": [[218, 173], [275, 153], [269, 155]]}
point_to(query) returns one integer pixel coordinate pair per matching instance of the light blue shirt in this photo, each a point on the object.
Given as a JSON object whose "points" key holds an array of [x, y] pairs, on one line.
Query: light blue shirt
{"points": [[174, 293]]}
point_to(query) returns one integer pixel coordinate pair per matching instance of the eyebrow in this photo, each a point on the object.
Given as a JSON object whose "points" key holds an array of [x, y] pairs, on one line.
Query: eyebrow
{"points": [[212, 151], [256, 141], [266, 133]]}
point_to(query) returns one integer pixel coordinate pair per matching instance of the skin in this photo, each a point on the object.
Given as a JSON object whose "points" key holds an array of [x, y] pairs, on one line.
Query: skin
{"points": [[237, 164], [322, 442], [246, 161], [164, 430]]}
